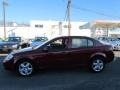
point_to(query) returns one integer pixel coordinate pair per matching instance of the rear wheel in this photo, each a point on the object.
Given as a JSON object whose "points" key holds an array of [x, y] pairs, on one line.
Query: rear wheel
{"points": [[25, 68], [97, 64]]}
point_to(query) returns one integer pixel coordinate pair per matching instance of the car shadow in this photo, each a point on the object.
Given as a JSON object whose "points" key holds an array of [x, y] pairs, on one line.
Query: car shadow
{"points": [[63, 71]]}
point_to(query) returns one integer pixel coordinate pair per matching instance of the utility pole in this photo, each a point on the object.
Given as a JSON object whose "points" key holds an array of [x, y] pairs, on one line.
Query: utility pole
{"points": [[69, 18], [4, 18]]}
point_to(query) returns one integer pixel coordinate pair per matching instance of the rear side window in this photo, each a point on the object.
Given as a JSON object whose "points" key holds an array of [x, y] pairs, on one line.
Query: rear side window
{"points": [[81, 43], [90, 43]]}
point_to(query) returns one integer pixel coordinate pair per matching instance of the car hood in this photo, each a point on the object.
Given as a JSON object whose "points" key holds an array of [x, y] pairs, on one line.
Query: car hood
{"points": [[22, 50]]}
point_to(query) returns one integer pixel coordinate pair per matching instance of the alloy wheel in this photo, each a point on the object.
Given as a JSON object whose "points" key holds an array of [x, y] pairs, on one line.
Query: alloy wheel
{"points": [[25, 68], [97, 65]]}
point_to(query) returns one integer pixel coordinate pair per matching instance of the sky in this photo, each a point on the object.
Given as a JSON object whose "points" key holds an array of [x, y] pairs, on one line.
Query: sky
{"points": [[81, 10]]}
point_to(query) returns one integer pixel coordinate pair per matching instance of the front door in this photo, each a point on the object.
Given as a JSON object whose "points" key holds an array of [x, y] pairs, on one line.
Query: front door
{"points": [[56, 54]]}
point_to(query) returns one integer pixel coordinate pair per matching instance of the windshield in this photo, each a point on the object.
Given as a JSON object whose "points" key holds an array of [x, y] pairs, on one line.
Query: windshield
{"points": [[14, 39], [115, 39], [38, 46], [42, 39]]}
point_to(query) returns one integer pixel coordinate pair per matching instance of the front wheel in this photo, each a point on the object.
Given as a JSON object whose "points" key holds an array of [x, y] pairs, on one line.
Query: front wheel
{"points": [[25, 68], [97, 64]]}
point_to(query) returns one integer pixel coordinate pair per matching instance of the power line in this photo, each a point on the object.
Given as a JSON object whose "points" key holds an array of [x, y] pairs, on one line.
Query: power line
{"points": [[66, 12], [65, 17], [93, 11]]}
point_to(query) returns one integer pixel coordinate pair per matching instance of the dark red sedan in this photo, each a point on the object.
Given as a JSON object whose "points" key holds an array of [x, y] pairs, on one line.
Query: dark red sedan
{"points": [[67, 51]]}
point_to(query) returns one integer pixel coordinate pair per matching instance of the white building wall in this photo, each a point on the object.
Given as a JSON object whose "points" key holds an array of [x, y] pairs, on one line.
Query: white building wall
{"points": [[76, 31], [50, 29], [16, 31]]}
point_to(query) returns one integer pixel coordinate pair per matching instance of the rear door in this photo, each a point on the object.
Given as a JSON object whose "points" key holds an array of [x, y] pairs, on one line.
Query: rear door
{"points": [[81, 50]]}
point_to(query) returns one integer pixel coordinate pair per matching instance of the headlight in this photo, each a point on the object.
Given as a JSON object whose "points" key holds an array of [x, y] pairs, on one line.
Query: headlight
{"points": [[8, 57]]}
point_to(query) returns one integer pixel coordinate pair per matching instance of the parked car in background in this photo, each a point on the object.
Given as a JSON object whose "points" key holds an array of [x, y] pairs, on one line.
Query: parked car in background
{"points": [[68, 51], [38, 40], [118, 38], [114, 42], [11, 43], [1, 40]]}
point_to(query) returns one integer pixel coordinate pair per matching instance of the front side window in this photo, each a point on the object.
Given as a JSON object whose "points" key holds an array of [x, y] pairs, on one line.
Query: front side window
{"points": [[58, 44]]}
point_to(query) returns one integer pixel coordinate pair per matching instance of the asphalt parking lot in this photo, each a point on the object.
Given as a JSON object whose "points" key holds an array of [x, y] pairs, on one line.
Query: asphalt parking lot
{"points": [[67, 79]]}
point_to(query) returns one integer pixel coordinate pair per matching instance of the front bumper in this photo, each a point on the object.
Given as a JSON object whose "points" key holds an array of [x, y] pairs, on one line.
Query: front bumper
{"points": [[117, 47], [9, 65]]}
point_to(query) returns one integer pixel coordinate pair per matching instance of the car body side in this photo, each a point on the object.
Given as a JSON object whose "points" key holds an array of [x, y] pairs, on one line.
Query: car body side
{"points": [[63, 58]]}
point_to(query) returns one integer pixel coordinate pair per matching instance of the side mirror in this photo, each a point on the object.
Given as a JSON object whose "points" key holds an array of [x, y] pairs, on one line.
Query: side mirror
{"points": [[45, 49]]}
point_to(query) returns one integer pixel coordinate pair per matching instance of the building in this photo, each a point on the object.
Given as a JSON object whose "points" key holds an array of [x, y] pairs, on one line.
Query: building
{"points": [[14, 29], [48, 28], [53, 29], [105, 28], [58, 28]]}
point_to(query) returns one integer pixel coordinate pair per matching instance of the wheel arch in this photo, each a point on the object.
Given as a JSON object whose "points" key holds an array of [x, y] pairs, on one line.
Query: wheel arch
{"points": [[25, 59], [99, 55]]}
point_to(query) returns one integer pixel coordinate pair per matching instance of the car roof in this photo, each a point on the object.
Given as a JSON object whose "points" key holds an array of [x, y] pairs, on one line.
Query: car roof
{"points": [[74, 37]]}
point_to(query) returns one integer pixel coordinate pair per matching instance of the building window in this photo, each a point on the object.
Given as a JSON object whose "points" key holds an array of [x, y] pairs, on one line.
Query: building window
{"points": [[65, 26], [39, 26]]}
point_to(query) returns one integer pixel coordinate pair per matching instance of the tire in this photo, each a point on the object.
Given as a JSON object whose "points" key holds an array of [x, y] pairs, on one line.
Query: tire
{"points": [[25, 68], [97, 64]]}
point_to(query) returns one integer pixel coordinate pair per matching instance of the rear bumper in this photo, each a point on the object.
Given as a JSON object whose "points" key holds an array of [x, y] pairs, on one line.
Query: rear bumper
{"points": [[110, 56]]}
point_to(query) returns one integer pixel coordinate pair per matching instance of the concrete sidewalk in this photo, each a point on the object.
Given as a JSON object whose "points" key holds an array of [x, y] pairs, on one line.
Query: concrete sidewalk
{"points": [[117, 54], [2, 55]]}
